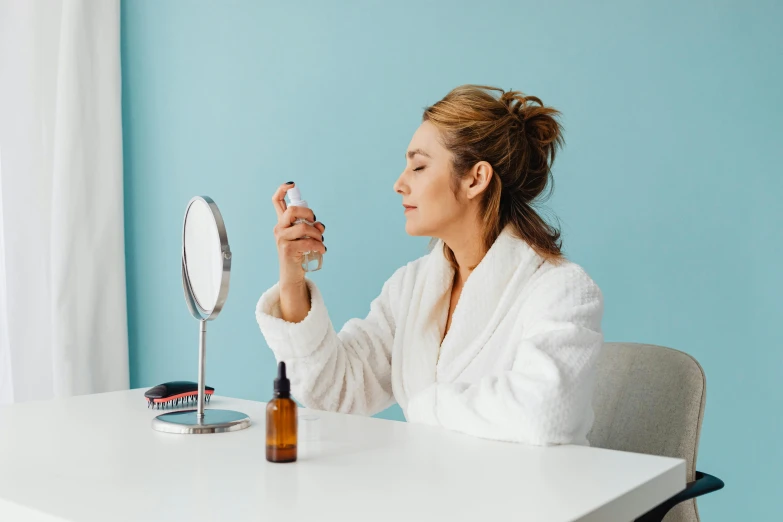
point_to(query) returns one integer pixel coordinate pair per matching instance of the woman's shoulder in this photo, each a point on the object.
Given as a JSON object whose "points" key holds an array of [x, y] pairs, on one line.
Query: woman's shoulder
{"points": [[545, 278], [564, 279]]}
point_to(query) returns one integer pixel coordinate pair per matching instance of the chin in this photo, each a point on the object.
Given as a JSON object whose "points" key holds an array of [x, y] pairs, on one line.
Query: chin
{"points": [[416, 230]]}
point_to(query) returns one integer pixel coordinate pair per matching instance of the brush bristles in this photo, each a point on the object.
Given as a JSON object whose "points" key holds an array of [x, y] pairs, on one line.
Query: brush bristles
{"points": [[189, 400]]}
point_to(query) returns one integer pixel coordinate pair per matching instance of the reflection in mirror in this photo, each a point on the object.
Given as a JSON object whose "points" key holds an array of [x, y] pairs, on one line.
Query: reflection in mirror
{"points": [[203, 260]]}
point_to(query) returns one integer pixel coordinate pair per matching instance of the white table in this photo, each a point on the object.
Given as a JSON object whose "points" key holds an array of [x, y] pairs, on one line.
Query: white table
{"points": [[95, 458]]}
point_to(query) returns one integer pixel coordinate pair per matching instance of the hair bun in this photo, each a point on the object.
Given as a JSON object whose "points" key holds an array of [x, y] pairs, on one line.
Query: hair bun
{"points": [[519, 105]]}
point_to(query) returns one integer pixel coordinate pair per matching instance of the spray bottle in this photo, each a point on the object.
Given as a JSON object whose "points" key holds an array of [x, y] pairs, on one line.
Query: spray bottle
{"points": [[311, 261]]}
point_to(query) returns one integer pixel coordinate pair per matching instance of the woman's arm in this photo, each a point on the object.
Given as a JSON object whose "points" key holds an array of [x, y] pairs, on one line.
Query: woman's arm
{"points": [[349, 371], [294, 300], [546, 397]]}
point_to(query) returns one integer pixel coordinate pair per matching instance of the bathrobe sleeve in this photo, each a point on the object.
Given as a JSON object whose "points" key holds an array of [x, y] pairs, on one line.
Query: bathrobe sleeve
{"points": [[545, 397], [349, 371]]}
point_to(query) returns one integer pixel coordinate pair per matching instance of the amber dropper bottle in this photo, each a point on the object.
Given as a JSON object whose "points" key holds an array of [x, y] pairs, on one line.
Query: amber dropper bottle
{"points": [[281, 421]]}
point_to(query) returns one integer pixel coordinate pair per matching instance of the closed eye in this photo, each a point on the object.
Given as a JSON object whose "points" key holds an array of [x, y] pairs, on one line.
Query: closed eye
{"points": [[418, 169]]}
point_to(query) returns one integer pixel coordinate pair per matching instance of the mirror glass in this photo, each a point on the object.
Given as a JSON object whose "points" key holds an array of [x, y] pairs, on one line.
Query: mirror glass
{"points": [[203, 258]]}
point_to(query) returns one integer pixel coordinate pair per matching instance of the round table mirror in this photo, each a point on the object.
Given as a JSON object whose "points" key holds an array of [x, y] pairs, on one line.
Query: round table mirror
{"points": [[206, 267]]}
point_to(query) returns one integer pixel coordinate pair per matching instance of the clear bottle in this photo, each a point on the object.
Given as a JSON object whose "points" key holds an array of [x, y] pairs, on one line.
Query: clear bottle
{"points": [[311, 261], [281, 421]]}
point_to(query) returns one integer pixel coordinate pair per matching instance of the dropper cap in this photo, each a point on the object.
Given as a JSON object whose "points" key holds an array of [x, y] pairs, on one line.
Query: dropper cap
{"points": [[282, 384]]}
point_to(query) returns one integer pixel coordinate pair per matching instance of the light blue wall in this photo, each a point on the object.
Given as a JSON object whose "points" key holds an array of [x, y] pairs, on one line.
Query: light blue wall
{"points": [[668, 190]]}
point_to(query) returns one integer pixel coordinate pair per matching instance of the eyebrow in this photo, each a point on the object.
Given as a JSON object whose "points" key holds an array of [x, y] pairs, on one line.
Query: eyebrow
{"points": [[413, 152]]}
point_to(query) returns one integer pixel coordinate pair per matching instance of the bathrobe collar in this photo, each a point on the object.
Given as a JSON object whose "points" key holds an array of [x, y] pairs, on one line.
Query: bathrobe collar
{"points": [[489, 292]]}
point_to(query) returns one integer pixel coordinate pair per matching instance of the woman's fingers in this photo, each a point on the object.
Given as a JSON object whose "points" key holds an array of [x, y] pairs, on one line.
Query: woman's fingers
{"points": [[298, 231], [291, 214], [293, 249], [278, 200], [295, 239]]}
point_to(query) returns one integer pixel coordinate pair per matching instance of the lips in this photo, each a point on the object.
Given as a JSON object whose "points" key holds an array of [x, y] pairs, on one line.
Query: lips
{"points": [[409, 207]]}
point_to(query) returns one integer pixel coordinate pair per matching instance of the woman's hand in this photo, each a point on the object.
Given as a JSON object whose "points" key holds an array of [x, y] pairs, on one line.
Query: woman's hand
{"points": [[294, 239]]}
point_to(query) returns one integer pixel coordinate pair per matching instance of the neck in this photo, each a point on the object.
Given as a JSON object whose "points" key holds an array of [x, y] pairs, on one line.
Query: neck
{"points": [[468, 247]]}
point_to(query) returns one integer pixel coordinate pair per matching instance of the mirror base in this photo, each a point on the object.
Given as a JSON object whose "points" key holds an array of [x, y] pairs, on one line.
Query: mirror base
{"points": [[187, 422]]}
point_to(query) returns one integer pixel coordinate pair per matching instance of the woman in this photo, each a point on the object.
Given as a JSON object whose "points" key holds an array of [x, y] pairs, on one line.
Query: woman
{"points": [[493, 333]]}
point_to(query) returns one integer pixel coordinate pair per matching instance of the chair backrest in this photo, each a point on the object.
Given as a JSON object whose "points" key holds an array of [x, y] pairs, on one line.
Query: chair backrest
{"points": [[650, 399]]}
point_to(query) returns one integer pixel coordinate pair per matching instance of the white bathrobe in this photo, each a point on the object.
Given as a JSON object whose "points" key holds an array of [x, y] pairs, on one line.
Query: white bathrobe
{"points": [[517, 364]]}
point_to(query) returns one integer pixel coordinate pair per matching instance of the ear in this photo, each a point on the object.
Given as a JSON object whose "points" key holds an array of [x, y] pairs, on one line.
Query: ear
{"points": [[477, 180]]}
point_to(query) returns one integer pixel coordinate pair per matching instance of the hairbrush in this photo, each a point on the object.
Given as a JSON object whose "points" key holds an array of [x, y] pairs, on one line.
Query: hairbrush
{"points": [[172, 393]]}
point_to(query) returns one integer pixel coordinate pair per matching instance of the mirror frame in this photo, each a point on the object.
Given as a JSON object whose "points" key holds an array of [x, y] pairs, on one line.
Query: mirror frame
{"points": [[194, 306]]}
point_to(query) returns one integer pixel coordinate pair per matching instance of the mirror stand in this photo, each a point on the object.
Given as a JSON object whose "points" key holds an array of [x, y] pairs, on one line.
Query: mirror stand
{"points": [[203, 420]]}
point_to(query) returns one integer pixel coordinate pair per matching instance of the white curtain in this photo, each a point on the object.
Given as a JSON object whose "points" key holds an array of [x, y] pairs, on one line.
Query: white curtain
{"points": [[63, 325]]}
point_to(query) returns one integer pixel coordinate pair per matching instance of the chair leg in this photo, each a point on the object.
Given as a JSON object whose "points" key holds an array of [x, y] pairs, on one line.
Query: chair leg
{"points": [[704, 483]]}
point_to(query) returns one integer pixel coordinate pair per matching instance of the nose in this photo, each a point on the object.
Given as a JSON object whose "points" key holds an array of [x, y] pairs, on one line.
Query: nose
{"points": [[400, 187]]}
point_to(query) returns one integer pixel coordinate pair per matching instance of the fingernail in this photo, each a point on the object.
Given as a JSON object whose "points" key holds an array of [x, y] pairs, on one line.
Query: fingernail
{"points": [[289, 182], [322, 237], [315, 218]]}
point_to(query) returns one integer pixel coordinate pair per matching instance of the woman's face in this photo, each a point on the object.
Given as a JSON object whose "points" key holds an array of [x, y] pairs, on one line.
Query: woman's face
{"points": [[431, 207]]}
